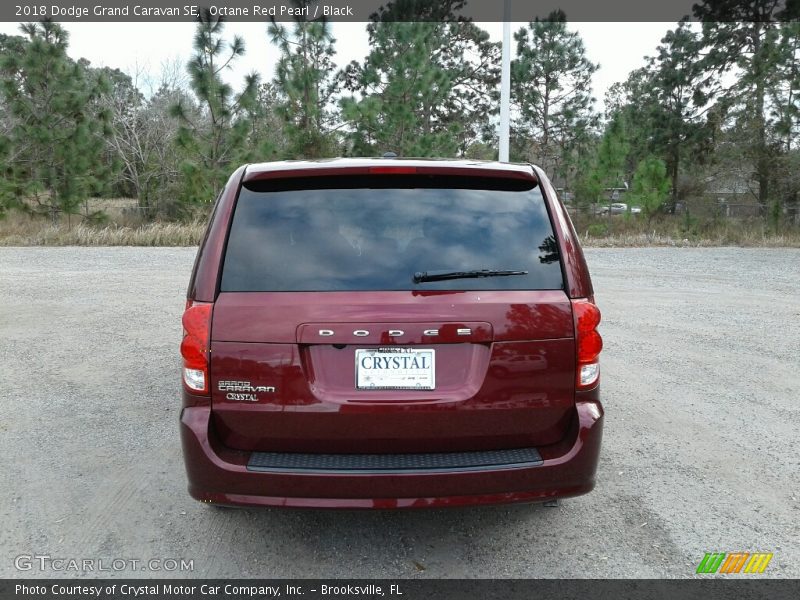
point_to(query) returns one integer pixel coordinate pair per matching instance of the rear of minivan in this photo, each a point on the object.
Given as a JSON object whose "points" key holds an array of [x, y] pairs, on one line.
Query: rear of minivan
{"points": [[390, 333]]}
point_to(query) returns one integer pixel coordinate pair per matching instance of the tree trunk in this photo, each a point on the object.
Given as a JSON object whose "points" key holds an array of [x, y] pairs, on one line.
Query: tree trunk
{"points": [[674, 180], [762, 159]]}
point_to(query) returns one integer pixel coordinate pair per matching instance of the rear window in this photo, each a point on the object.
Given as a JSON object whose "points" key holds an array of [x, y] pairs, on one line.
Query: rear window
{"points": [[376, 233]]}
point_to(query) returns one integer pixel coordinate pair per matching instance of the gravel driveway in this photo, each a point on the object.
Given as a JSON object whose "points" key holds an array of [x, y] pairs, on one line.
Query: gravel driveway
{"points": [[701, 452]]}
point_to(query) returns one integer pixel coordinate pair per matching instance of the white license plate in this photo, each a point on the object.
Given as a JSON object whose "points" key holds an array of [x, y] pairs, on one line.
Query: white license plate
{"points": [[395, 369]]}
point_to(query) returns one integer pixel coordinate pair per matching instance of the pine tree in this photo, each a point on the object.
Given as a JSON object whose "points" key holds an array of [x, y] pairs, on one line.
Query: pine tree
{"points": [[650, 186], [55, 139], [785, 89], [784, 100], [666, 103], [427, 88], [551, 91], [217, 137], [306, 83], [743, 38], [630, 101], [605, 169]]}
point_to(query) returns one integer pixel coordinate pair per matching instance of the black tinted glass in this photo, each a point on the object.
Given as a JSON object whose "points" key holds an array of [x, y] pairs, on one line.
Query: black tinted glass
{"points": [[375, 233]]}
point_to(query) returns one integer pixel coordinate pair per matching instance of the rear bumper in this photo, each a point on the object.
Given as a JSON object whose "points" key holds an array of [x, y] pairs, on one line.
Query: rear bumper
{"points": [[220, 475]]}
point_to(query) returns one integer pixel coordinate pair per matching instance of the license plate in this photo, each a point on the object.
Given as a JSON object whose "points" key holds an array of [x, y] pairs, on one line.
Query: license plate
{"points": [[395, 369]]}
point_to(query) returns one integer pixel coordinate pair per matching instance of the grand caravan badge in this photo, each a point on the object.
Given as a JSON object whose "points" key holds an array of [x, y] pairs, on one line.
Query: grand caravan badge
{"points": [[243, 391]]}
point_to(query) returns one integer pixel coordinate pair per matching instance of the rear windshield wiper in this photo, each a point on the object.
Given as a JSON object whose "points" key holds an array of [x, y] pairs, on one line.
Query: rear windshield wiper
{"points": [[420, 277]]}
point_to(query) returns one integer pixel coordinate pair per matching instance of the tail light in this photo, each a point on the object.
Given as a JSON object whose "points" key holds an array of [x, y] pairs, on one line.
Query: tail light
{"points": [[195, 346], [588, 342]]}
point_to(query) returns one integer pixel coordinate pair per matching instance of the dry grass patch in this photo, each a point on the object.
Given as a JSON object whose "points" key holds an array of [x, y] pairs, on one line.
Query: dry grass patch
{"points": [[150, 234], [629, 240], [677, 231]]}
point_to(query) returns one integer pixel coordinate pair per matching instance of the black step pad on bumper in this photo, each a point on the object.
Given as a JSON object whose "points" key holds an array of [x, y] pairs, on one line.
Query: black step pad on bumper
{"points": [[357, 464]]}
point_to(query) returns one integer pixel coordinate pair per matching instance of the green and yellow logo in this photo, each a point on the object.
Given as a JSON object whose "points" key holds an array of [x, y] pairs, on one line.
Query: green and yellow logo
{"points": [[734, 562]]}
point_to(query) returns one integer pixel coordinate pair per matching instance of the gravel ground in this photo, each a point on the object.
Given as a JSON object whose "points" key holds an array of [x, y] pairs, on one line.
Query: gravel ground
{"points": [[701, 450]]}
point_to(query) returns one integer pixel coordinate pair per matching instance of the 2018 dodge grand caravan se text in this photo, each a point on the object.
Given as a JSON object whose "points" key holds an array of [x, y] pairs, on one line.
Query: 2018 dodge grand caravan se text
{"points": [[385, 333]]}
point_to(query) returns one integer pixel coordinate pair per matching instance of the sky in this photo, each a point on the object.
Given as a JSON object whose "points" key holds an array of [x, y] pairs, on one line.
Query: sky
{"points": [[617, 47]]}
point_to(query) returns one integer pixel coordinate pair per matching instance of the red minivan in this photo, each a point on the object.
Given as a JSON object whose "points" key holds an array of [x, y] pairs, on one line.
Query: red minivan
{"points": [[387, 333]]}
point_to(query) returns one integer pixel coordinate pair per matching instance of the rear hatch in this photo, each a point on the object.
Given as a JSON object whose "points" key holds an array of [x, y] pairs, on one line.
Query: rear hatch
{"points": [[391, 314]]}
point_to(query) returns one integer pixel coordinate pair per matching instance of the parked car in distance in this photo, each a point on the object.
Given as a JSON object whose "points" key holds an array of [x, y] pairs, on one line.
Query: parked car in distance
{"points": [[616, 208], [390, 333]]}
